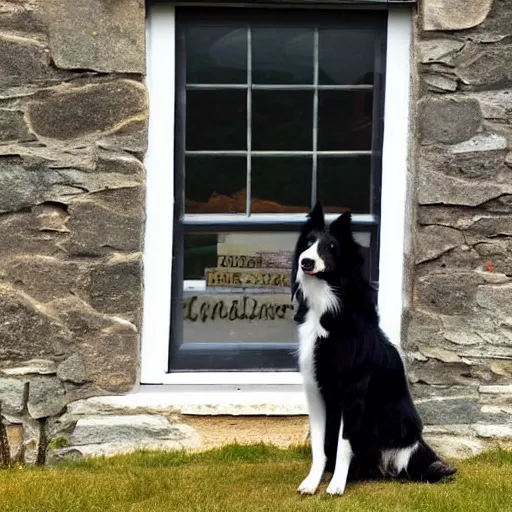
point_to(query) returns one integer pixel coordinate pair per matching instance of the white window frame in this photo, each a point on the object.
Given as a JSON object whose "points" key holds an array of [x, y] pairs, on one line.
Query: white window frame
{"points": [[159, 163]]}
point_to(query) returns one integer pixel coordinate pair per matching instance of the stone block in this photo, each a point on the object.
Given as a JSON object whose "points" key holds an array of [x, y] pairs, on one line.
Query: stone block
{"points": [[481, 142], [451, 15], [73, 370], [12, 392], [13, 127], [28, 182], [438, 188], [455, 447], [432, 241], [449, 411], [24, 61], [448, 294], [28, 331], [33, 367], [437, 373], [434, 50], [46, 397], [106, 36], [86, 112], [112, 435], [495, 432], [52, 216], [96, 337], [97, 228], [441, 354], [449, 120], [45, 278], [116, 286], [496, 299]]}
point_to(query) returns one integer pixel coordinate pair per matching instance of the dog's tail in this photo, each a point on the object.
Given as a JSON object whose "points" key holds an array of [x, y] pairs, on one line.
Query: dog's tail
{"points": [[425, 466]]}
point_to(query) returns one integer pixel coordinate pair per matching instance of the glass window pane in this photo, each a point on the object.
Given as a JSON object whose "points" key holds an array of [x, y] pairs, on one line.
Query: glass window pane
{"points": [[216, 55], [344, 183], [246, 295], [215, 184], [282, 120], [346, 56], [345, 120], [216, 120], [281, 184], [282, 55]]}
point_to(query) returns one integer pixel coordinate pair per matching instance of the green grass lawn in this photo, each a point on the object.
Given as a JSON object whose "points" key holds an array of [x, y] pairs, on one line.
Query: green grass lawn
{"points": [[242, 479]]}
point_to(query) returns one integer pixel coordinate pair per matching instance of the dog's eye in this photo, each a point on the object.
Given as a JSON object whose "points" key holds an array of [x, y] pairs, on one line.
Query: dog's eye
{"points": [[331, 246], [309, 243]]}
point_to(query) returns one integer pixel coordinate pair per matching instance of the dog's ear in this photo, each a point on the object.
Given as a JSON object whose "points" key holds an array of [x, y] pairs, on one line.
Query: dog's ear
{"points": [[341, 226], [316, 218]]}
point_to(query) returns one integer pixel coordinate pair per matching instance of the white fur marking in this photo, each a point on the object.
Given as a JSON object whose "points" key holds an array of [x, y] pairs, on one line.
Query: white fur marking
{"points": [[312, 254], [320, 299], [393, 462], [343, 458]]}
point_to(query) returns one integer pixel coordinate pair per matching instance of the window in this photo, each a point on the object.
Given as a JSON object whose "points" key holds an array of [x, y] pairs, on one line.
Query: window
{"points": [[275, 109], [187, 233]]}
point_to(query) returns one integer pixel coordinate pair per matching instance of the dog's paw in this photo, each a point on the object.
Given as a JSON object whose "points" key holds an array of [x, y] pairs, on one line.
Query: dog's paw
{"points": [[335, 489], [308, 486]]}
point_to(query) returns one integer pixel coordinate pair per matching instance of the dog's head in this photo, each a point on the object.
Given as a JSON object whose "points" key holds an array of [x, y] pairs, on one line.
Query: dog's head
{"points": [[325, 251]]}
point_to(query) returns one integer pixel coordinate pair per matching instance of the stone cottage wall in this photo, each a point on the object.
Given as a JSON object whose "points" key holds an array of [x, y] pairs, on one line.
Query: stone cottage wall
{"points": [[73, 122], [459, 324]]}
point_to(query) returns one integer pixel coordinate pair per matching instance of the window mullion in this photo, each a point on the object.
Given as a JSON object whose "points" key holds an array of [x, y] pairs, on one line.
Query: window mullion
{"points": [[249, 119], [315, 117]]}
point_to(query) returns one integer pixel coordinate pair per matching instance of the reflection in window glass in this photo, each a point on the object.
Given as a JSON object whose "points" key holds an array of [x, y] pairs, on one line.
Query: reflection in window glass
{"points": [[282, 120], [357, 48], [344, 183], [215, 184], [281, 184], [282, 55], [216, 55], [345, 120], [216, 120]]}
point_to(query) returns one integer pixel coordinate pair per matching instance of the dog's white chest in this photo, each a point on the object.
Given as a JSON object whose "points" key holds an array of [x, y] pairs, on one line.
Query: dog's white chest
{"points": [[309, 332]]}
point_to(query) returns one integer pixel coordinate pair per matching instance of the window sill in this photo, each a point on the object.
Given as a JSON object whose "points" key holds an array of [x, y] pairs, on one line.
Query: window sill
{"points": [[207, 400]]}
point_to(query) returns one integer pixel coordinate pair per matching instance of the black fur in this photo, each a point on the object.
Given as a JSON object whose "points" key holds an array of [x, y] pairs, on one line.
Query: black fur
{"points": [[359, 372]]}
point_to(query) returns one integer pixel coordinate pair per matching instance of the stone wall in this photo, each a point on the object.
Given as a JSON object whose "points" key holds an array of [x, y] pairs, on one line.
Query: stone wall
{"points": [[73, 122], [459, 324]]}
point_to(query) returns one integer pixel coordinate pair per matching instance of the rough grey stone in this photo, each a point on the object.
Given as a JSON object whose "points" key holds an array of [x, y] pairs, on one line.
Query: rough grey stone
{"points": [[432, 241], [455, 447], [433, 50], [46, 397], [23, 60], [441, 354], [449, 120], [12, 394], [110, 435], [130, 137], [494, 431], [28, 331], [449, 411], [73, 370], [116, 286], [97, 227], [422, 327], [43, 277], [440, 82], [492, 226], [481, 142], [88, 111], [119, 163], [484, 65], [29, 182], [454, 14], [96, 337], [21, 235], [107, 36], [448, 294], [52, 216], [33, 367], [63, 455], [438, 188], [437, 373], [496, 299], [496, 390], [451, 216], [13, 127]]}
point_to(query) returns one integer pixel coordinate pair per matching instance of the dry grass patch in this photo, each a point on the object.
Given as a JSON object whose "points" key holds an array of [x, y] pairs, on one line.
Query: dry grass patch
{"points": [[236, 478]]}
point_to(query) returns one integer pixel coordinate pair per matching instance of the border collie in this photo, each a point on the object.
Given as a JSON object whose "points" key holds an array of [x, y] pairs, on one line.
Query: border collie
{"points": [[363, 422]]}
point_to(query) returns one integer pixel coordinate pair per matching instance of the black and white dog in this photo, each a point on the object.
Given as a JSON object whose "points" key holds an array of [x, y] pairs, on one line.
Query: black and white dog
{"points": [[363, 422]]}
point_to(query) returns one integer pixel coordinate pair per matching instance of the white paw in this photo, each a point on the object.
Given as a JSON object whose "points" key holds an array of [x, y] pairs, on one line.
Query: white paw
{"points": [[309, 485], [335, 488]]}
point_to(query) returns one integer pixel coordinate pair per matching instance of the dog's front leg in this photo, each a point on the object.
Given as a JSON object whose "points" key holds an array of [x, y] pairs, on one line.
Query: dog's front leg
{"points": [[343, 457], [316, 408]]}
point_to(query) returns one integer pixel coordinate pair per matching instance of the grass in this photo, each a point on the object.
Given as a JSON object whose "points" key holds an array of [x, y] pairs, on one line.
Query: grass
{"points": [[236, 478]]}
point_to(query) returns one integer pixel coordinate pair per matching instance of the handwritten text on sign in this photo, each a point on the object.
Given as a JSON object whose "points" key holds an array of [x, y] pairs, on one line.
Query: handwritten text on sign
{"points": [[210, 308], [237, 278]]}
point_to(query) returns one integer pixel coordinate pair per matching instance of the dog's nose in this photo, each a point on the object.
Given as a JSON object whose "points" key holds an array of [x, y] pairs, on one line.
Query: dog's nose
{"points": [[307, 264]]}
